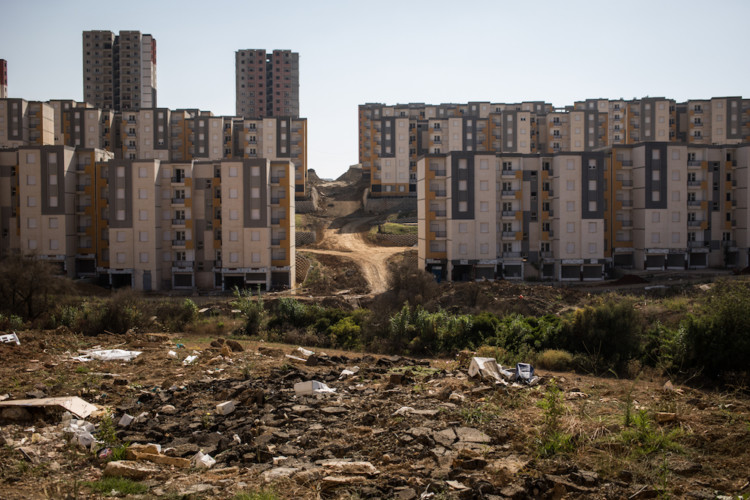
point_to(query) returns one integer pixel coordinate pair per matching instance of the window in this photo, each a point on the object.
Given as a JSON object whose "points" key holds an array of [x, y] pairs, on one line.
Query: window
{"points": [[655, 195], [120, 215], [484, 249], [483, 185], [484, 227], [675, 216], [142, 215], [675, 196], [571, 227], [254, 235], [483, 164], [592, 247], [592, 185], [31, 223], [655, 237], [463, 249], [463, 227], [570, 206], [484, 206], [675, 237], [142, 173], [142, 194], [233, 193], [30, 201], [120, 257], [655, 217], [592, 206], [53, 201], [234, 215], [463, 206], [233, 236], [570, 247], [462, 185], [232, 171], [255, 214], [570, 185], [592, 227], [143, 257], [142, 236], [53, 223]]}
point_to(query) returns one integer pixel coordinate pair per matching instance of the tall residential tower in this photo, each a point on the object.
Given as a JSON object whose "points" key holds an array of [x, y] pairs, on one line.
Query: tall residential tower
{"points": [[119, 71], [267, 84], [3, 78]]}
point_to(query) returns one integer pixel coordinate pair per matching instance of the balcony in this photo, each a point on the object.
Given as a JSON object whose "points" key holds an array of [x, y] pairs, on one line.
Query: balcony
{"points": [[440, 213], [626, 223], [508, 173], [694, 203], [275, 241], [627, 203], [627, 163], [275, 220], [697, 244], [509, 213], [81, 187], [694, 163], [546, 255], [183, 264], [694, 183], [729, 243], [178, 243], [178, 222], [178, 201], [217, 263], [82, 208], [275, 201], [510, 255], [178, 179], [275, 180], [695, 223], [626, 182], [508, 192], [509, 234], [440, 234], [82, 229], [441, 193], [439, 173]]}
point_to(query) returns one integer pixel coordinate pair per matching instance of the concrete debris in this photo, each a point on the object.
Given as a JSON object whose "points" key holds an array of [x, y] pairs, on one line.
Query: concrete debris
{"points": [[129, 470], [125, 420], [225, 408], [311, 387], [172, 354], [202, 461], [73, 404], [487, 368], [303, 352]]}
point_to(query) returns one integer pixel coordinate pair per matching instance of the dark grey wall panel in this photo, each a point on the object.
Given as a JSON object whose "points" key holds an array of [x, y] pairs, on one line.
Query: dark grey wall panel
{"points": [[248, 182], [592, 174], [467, 175], [656, 165]]}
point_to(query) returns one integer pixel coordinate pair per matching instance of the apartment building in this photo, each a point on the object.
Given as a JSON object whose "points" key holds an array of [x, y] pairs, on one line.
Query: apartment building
{"points": [[579, 215], [392, 138], [119, 71], [266, 83], [156, 133], [3, 78], [148, 224]]}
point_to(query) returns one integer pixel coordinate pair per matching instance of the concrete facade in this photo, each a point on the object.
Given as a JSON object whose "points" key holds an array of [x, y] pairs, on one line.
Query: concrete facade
{"points": [[266, 84]]}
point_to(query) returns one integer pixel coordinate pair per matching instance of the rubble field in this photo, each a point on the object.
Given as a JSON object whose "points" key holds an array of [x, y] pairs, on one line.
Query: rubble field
{"points": [[233, 422]]}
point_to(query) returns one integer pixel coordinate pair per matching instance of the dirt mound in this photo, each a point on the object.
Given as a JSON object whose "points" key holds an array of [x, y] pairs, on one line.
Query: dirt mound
{"points": [[353, 175]]}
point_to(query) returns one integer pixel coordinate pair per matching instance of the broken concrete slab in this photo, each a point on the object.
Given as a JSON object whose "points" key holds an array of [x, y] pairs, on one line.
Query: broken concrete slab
{"points": [[73, 404], [347, 467], [311, 387], [108, 355], [278, 473], [129, 470], [225, 408]]}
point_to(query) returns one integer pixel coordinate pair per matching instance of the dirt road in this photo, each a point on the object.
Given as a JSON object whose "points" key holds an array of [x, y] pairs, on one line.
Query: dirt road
{"points": [[349, 241]]}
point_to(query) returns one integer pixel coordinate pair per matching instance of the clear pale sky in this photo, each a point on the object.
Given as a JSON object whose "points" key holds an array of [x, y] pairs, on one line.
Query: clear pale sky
{"points": [[354, 52]]}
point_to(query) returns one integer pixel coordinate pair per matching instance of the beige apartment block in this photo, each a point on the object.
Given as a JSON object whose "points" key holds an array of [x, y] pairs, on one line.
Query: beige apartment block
{"points": [[534, 127], [119, 71]]}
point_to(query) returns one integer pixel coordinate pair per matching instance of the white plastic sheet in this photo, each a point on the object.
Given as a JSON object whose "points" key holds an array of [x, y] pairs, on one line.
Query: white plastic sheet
{"points": [[108, 355]]}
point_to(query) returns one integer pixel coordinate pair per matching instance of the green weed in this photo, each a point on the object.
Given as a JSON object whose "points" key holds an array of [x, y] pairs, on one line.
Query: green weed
{"points": [[121, 485]]}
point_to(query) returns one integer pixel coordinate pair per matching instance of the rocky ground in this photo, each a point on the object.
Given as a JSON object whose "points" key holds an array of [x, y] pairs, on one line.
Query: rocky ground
{"points": [[395, 428]]}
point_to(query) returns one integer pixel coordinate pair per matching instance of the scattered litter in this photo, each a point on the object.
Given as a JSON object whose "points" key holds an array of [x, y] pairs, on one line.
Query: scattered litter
{"points": [[10, 338], [108, 355], [73, 404], [179, 346], [303, 352], [225, 408], [403, 410], [295, 359], [312, 387], [488, 368], [202, 461], [4, 397], [172, 354], [126, 420], [189, 360], [80, 433], [349, 373]]}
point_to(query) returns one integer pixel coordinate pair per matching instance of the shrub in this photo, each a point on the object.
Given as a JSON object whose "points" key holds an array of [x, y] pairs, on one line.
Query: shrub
{"points": [[345, 334], [554, 359], [290, 312], [645, 439], [29, 286], [608, 332], [175, 316], [716, 338], [552, 439], [253, 310], [122, 485], [10, 322]]}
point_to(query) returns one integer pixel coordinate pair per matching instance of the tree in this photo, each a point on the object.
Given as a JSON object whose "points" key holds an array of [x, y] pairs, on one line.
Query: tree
{"points": [[28, 285]]}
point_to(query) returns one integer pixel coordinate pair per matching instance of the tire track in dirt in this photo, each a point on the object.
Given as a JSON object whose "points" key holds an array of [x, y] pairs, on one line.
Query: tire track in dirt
{"points": [[350, 241]]}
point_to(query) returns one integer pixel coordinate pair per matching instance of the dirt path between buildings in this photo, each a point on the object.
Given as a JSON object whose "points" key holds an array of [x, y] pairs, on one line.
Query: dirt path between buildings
{"points": [[349, 240]]}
